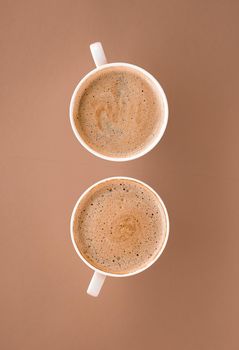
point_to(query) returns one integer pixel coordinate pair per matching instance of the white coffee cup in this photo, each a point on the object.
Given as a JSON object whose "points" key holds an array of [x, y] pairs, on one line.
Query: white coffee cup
{"points": [[101, 64], [99, 276]]}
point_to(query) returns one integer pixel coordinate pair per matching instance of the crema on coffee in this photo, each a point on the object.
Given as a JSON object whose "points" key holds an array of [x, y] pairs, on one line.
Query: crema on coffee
{"points": [[119, 112], [120, 226]]}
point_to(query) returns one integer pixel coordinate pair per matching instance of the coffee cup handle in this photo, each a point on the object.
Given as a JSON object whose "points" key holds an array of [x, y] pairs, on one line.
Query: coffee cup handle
{"points": [[96, 284], [98, 54]]}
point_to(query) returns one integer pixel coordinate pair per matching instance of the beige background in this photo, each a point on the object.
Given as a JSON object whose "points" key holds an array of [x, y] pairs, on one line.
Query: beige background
{"points": [[189, 299]]}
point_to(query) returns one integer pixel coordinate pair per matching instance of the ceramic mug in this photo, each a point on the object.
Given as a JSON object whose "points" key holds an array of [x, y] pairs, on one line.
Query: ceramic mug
{"points": [[101, 64], [99, 276]]}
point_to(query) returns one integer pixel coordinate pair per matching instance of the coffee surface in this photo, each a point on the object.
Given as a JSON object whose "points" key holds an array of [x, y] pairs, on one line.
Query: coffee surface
{"points": [[118, 113], [120, 226]]}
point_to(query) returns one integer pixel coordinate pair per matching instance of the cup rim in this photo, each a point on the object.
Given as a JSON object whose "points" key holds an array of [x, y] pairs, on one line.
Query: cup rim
{"points": [[72, 231], [147, 148]]}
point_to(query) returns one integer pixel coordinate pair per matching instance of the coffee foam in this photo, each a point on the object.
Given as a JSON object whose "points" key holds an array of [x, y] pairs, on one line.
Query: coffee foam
{"points": [[118, 112], [120, 226]]}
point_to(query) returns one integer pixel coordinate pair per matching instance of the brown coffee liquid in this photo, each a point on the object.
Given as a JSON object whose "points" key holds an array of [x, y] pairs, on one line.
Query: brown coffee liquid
{"points": [[120, 226], [119, 113]]}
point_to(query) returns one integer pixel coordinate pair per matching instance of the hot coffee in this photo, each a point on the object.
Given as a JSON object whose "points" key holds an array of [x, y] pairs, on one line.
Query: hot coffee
{"points": [[120, 226], [119, 112]]}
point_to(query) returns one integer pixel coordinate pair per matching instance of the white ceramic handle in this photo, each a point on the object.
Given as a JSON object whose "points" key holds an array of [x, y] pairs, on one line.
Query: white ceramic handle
{"points": [[96, 284], [98, 54]]}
